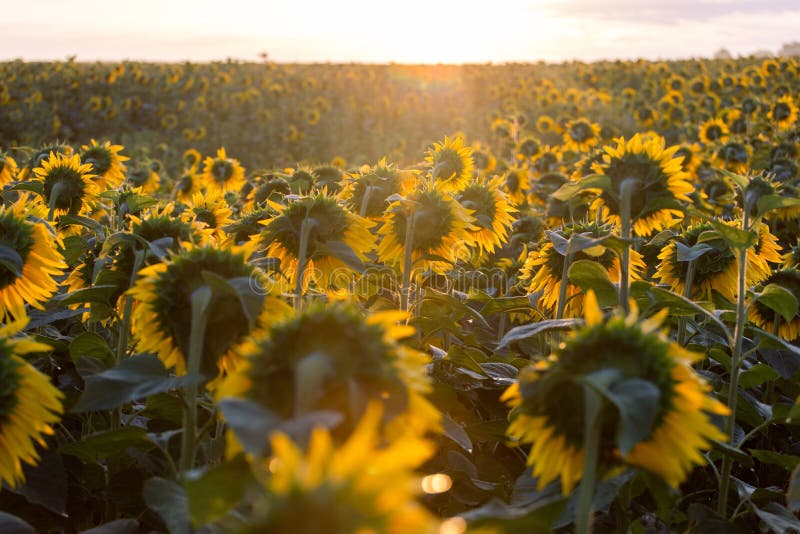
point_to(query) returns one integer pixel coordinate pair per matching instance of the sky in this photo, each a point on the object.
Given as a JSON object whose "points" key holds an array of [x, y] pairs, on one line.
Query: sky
{"points": [[403, 31]]}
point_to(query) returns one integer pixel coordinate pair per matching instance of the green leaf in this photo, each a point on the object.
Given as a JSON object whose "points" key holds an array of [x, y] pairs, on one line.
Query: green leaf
{"points": [[787, 461], [214, 492], [34, 186], [768, 203], [99, 293], [732, 452], [78, 220], [780, 300], [89, 344], [777, 518], [680, 305], [344, 253], [588, 274], [636, 401], [736, 238], [527, 331], [691, 253], [240, 288], [767, 340], [136, 377], [757, 375], [97, 447], [251, 423], [168, 499], [11, 260], [45, 483], [11, 524], [454, 431]]}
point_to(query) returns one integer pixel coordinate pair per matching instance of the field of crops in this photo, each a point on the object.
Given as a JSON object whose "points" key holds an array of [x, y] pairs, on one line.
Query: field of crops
{"points": [[259, 297]]}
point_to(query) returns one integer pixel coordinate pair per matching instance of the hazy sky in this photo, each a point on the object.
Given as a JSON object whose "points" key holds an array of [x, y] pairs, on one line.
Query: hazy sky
{"points": [[400, 30]]}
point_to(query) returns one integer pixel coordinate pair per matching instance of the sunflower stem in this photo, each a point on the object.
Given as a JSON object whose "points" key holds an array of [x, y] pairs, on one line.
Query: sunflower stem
{"points": [[687, 292], [408, 249], [562, 294], [302, 259], [125, 329], [201, 298], [626, 192], [736, 362], [592, 408], [362, 211]]}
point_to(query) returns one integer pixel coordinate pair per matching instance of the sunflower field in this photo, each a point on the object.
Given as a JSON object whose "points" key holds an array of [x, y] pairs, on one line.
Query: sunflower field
{"points": [[261, 297]]}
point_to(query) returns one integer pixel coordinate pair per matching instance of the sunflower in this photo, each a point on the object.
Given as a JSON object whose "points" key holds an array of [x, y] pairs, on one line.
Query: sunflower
{"points": [[516, 183], [660, 180], [162, 316], [33, 261], [548, 160], [783, 113], [357, 354], [691, 158], [8, 170], [363, 485], [544, 266], [209, 213], [67, 184], [222, 174], [272, 187], [545, 124], [713, 131], [765, 318], [146, 177], [492, 212], [715, 270], [186, 186], [484, 160], [366, 192], [580, 135], [548, 403], [328, 177], [441, 231], [451, 164], [29, 403], [733, 156], [527, 148], [191, 159], [107, 163], [328, 226]]}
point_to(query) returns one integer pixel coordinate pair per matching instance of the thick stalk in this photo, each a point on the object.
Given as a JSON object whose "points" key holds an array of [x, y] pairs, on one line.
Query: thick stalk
{"points": [[736, 362], [200, 301], [365, 200], [591, 446], [562, 295], [302, 259], [626, 192], [408, 249]]}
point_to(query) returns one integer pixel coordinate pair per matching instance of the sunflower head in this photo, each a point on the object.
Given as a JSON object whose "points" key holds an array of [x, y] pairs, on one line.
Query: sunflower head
{"points": [[29, 403], [363, 485], [491, 211], [766, 318], [8, 169], [580, 135], [222, 173], [335, 358], [451, 164], [328, 177], [274, 187], [66, 183], [659, 181], [548, 401], [32, 261], [368, 190], [713, 131], [162, 319], [783, 113], [106, 161]]}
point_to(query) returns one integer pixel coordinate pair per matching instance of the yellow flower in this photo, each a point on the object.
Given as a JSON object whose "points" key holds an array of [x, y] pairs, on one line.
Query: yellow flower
{"points": [[222, 174], [580, 135], [34, 261], [660, 178], [440, 231], [161, 320], [29, 403], [713, 131], [329, 225], [544, 266], [209, 213], [67, 184], [492, 213], [547, 401], [783, 113], [8, 170], [107, 163], [318, 359], [363, 485], [451, 164]]}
